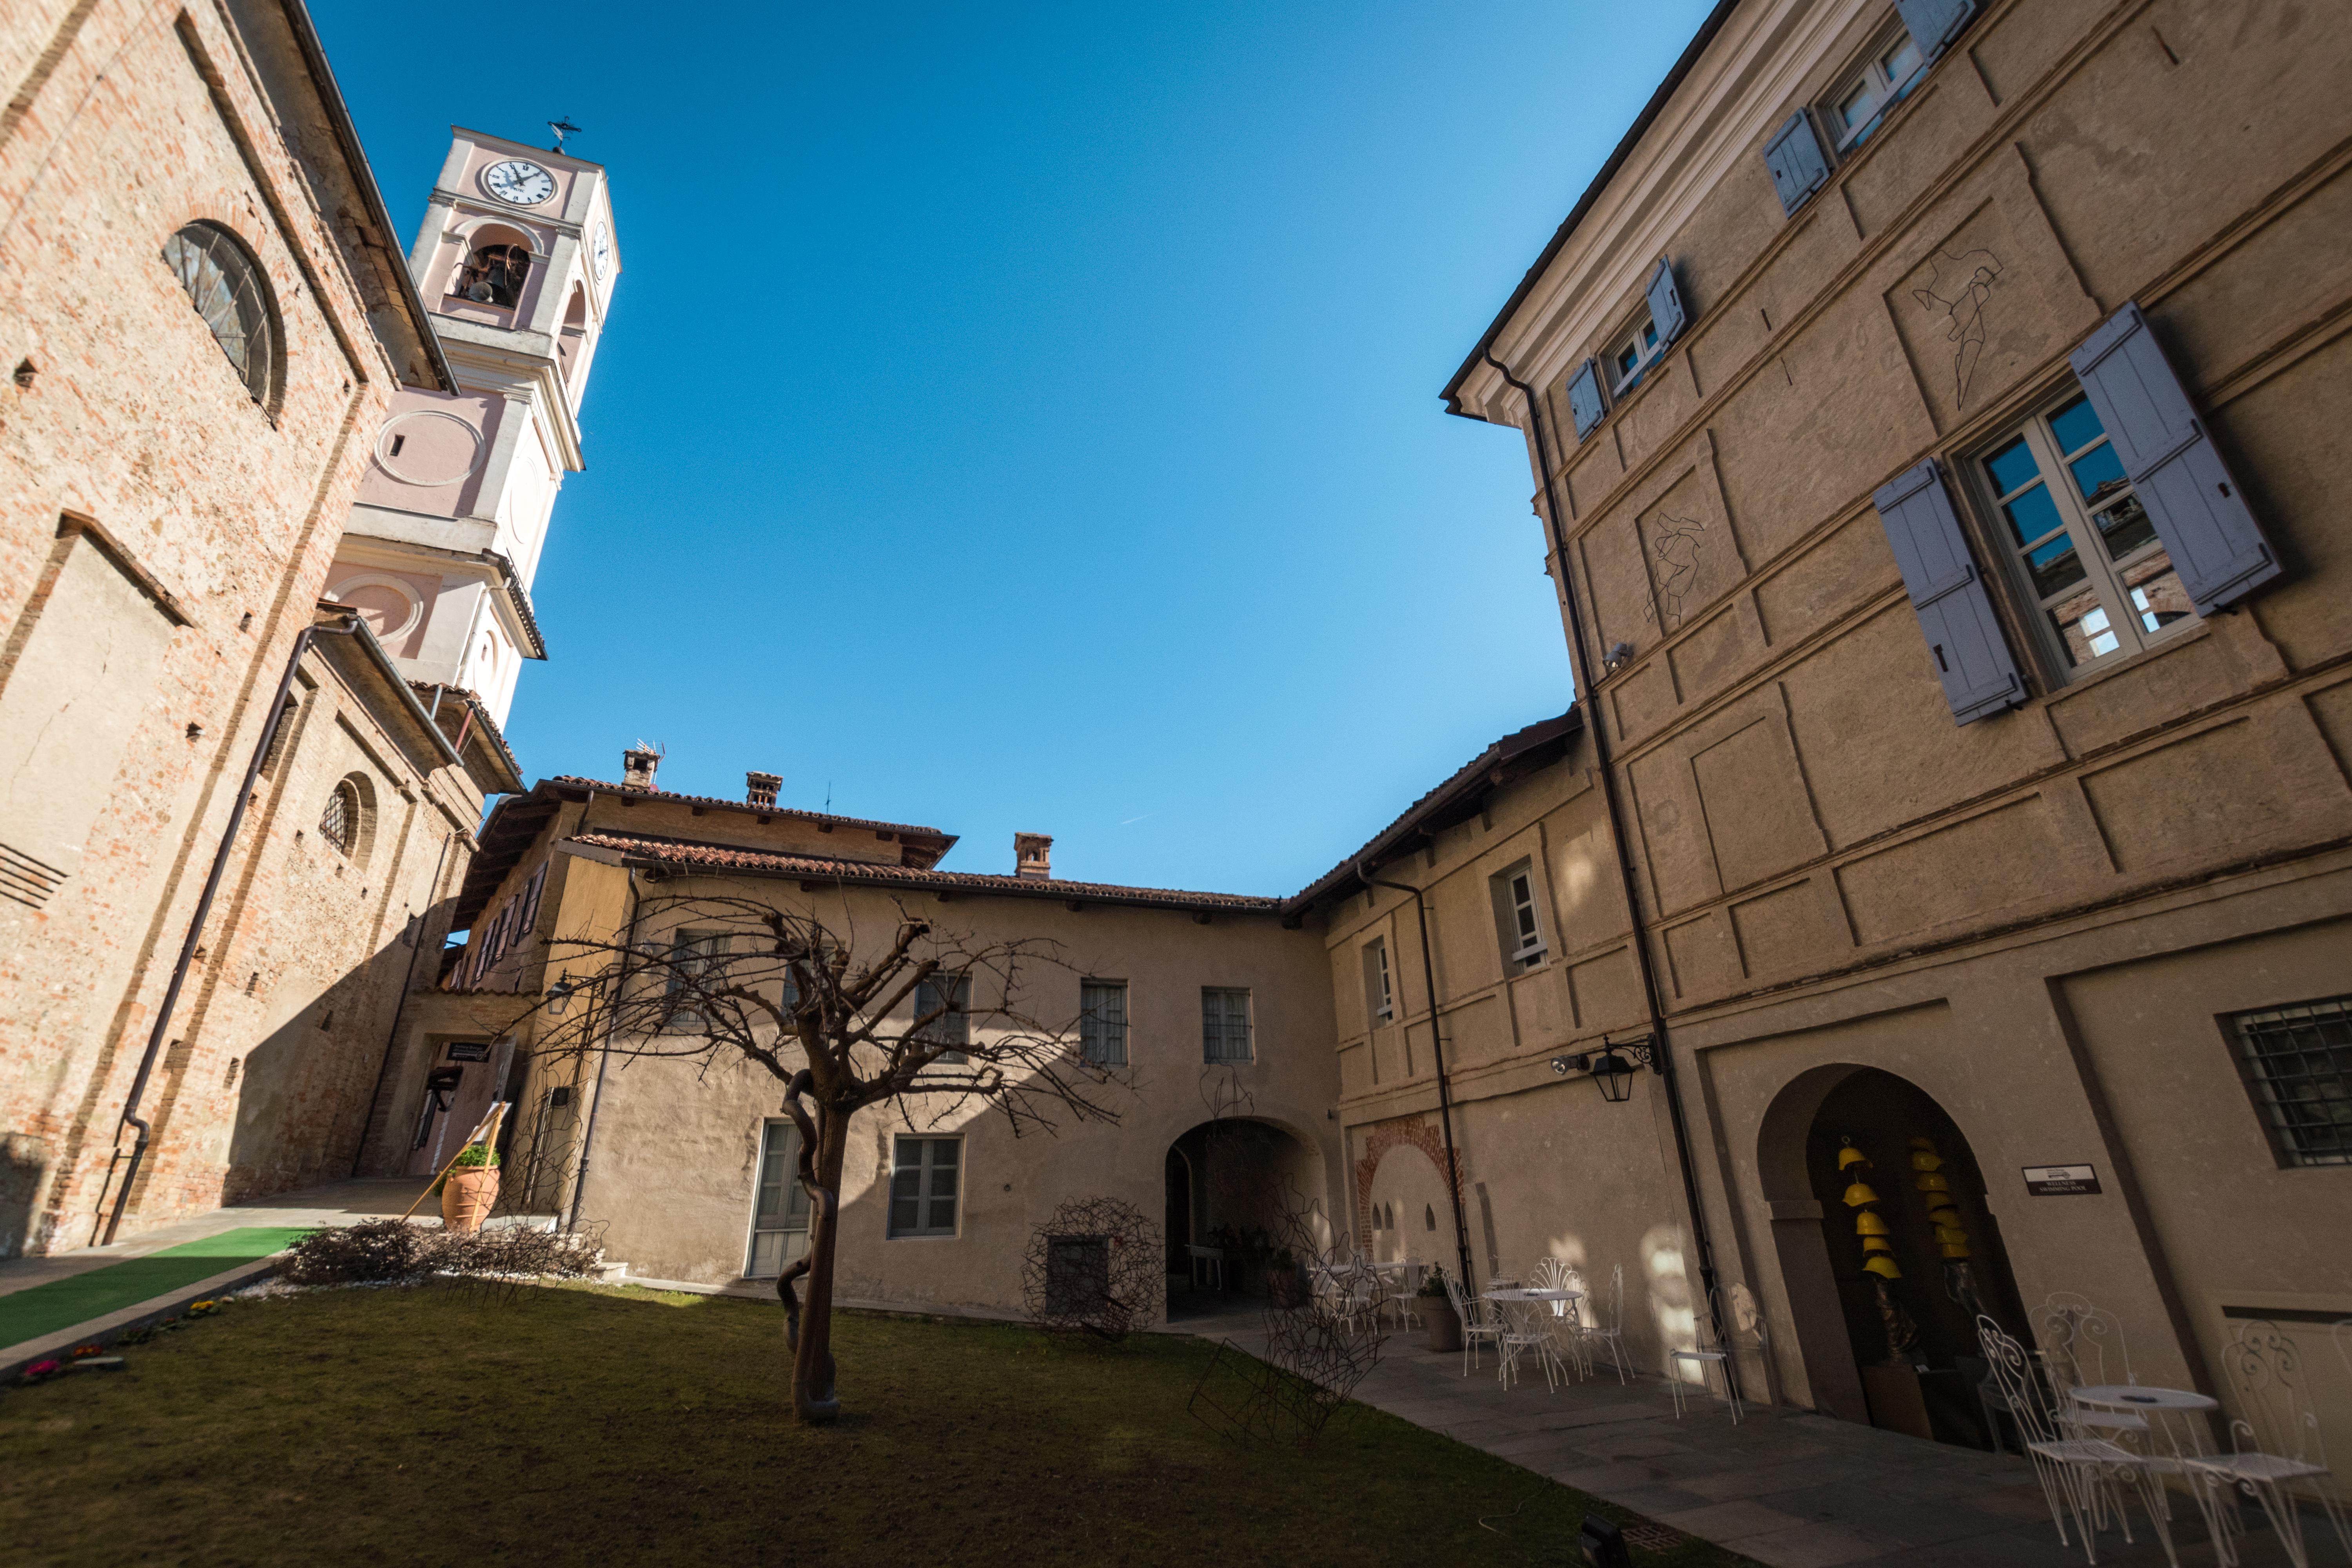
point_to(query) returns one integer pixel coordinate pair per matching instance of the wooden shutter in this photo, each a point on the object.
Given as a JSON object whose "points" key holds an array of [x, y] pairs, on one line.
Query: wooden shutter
{"points": [[1935, 23], [2197, 509], [1964, 640], [1584, 398], [1665, 304], [1798, 166]]}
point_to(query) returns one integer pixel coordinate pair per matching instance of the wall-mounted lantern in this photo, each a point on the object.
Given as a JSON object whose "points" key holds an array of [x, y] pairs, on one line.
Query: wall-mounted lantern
{"points": [[1613, 1065]]}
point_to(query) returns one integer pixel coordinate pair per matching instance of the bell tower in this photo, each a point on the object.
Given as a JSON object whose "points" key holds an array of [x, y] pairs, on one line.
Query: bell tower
{"points": [[516, 259]]}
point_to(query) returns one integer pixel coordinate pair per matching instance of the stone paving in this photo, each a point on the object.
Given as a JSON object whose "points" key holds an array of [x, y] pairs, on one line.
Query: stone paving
{"points": [[1785, 1487]]}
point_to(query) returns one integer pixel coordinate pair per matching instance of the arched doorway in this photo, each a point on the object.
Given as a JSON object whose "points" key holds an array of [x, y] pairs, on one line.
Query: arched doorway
{"points": [[1249, 1192], [1890, 1262]]}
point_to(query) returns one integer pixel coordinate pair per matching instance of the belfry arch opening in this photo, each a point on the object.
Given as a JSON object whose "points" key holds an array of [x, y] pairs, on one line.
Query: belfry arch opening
{"points": [[1242, 1191], [1887, 1250]]}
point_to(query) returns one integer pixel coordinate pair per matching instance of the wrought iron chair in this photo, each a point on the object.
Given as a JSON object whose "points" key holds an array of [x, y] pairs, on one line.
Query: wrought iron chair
{"points": [[1744, 1331], [2087, 1475], [1403, 1287], [1526, 1328], [1480, 1322], [2277, 1456], [1565, 1325], [2079, 1342], [1599, 1333]]}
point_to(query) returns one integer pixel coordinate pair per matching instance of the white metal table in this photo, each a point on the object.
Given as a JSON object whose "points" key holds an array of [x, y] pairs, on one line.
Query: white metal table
{"points": [[2174, 1413]]}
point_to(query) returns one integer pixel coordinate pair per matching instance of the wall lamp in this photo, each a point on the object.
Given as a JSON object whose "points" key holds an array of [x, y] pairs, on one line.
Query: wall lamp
{"points": [[560, 995], [1613, 1065]]}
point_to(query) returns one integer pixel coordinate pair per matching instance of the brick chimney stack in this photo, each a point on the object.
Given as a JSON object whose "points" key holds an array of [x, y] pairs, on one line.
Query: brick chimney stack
{"points": [[637, 765], [1032, 856], [760, 789]]}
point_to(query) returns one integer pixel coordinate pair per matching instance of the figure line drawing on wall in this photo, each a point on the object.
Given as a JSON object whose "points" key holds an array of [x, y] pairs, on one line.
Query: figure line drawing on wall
{"points": [[1678, 543], [1959, 289]]}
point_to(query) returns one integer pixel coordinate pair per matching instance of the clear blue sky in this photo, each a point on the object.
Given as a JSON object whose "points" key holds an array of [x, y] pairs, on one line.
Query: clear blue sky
{"points": [[1026, 417]]}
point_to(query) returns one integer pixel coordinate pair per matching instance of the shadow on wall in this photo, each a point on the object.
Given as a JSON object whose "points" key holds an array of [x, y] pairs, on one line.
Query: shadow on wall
{"points": [[23, 1159], [1674, 1307], [300, 1099]]}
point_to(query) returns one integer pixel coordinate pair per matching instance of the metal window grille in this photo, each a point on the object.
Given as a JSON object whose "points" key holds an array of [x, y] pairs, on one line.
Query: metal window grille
{"points": [[952, 1029], [925, 1178], [691, 954], [224, 284], [339, 825], [2298, 1066], [1102, 1022], [780, 1209], [1225, 1024]]}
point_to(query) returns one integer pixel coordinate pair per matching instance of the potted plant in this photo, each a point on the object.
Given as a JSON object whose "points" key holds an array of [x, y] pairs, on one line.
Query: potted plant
{"points": [[1437, 1307], [469, 1188], [1285, 1282]]}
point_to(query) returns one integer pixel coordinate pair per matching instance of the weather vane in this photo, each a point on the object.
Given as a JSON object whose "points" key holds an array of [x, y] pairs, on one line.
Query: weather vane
{"points": [[561, 128]]}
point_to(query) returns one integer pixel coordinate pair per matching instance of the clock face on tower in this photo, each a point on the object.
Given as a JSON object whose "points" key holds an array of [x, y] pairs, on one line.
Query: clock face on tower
{"points": [[600, 255], [519, 182]]}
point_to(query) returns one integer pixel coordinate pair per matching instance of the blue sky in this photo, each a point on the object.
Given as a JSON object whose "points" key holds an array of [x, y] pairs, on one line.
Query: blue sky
{"points": [[1026, 417]]}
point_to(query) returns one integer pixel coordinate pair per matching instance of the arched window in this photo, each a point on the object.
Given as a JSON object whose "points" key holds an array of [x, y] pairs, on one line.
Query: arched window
{"points": [[494, 275], [227, 287], [339, 825]]}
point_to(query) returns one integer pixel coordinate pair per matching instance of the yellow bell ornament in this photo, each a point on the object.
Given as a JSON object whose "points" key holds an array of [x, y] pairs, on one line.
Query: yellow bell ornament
{"points": [[1950, 1250], [1927, 1143], [1849, 1156], [1943, 1213], [1933, 1181], [1868, 1223], [1877, 1244], [1858, 1195], [1951, 1235], [1923, 1159], [1882, 1266]]}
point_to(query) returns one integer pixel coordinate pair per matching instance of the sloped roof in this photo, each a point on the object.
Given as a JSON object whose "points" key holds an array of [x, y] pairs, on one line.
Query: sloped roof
{"points": [[904, 830]]}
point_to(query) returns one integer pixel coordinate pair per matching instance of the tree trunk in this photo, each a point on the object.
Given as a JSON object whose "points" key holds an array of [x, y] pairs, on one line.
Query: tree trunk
{"points": [[814, 1399]]}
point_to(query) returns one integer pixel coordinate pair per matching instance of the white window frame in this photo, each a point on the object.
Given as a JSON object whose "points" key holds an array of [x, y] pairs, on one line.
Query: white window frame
{"points": [[1102, 1030], [923, 1192], [779, 1141], [1519, 911], [1218, 1031], [1380, 993], [1642, 342], [1876, 80], [2129, 617]]}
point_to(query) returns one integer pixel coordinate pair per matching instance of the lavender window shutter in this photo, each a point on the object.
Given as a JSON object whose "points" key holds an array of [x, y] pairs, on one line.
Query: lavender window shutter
{"points": [[1935, 23], [1798, 166], [1584, 398], [1964, 644], [1666, 303], [2197, 509]]}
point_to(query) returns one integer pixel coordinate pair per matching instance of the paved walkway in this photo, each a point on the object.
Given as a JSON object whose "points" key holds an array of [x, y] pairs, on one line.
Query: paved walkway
{"points": [[1786, 1486]]}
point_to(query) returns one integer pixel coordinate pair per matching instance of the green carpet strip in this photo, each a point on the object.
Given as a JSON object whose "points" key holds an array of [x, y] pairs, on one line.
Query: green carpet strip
{"points": [[44, 1309]]}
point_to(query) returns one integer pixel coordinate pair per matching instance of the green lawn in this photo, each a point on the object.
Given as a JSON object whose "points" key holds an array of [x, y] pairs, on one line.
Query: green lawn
{"points": [[43, 1309], [625, 1425]]}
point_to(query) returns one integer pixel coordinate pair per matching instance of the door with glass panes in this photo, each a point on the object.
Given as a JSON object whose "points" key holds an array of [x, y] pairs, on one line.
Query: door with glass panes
{"points": [[780, 1212]]}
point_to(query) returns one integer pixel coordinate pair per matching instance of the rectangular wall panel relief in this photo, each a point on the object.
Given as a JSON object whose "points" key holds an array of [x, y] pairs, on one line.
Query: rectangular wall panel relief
{"points": [[2011, 856], [2218, 795], [2331, 710], [1759, 819], [1618, 583], [1673, 843], [2178, 679], [1689, 549], [1702, 958], [1719, 650], [1842, 571], [1792, 930], [1606, 990], [1641, 701]]}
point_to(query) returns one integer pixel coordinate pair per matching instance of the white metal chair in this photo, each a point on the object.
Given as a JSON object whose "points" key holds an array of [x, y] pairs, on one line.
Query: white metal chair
{"points": [[1743, 1330], [1480, 1322], [2078, 1342], [1208, 1264], [1404, 1286], [1526, 1328], [2278, 1459], [2085, 1473], [1565, 1324], [1594, 1333]]}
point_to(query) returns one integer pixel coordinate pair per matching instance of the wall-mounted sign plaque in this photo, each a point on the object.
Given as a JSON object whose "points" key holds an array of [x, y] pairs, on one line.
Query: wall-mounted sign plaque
{"points": [[2060, 1181], [479, 1052]]}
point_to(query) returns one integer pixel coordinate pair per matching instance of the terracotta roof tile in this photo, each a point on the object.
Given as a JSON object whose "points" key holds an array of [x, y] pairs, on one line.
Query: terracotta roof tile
{"points": [[690, 855], [602, 786]]}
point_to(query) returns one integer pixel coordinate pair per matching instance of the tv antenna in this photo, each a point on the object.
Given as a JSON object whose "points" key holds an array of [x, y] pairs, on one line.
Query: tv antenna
{"points": [[561, 128]]}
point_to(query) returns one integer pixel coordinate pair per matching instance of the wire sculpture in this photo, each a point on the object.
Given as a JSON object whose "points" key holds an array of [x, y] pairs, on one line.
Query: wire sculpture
{"points": [[1097, 1268]]}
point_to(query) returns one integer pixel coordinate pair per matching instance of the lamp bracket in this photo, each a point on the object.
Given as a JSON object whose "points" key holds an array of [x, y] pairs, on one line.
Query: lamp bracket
{"points": [[1641, 1050]]}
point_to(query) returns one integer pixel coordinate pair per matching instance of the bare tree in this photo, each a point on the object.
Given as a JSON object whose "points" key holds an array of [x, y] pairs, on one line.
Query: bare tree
{"points": [[731, 980]]}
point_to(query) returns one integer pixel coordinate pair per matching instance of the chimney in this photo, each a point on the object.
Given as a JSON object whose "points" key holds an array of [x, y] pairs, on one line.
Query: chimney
{"points": [[1032, 856], [637, 765], [760, 789]]}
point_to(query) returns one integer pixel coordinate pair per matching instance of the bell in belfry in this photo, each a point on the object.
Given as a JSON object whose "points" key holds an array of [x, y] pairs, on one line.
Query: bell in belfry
{"points": [[1849, 1156], [1869, 1223], [1882, 1266], [1858, 1195]]}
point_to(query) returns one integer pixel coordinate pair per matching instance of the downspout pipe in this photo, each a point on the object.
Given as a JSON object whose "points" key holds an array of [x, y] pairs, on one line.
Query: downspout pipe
{"points": [[1444, 1088], [130, 1118], [604, 1057], [1597, 726]]}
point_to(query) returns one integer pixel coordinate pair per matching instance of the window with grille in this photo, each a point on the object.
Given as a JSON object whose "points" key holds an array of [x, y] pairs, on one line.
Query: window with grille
{"points": [[2297, 1063], [1102, 1022], [339, 825], [925, 1178], [1380, 999], [693, 954], [226, 286], [780, 1208], [1225, 1024], [952, 1027]]}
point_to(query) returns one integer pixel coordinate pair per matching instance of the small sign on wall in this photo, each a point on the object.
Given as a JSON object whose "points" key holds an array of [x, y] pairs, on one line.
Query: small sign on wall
{"points": [[2060, 1181], [471, 1051]]}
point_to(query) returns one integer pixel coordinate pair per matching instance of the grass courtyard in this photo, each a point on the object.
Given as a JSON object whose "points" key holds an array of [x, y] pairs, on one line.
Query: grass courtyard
{"points": [[626, 1425]]}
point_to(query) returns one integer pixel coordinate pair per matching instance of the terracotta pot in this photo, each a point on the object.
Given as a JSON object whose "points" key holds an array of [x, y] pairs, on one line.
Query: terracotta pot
{"points": [[467, 1197], [1444, 1324]]}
